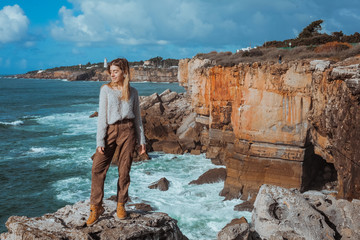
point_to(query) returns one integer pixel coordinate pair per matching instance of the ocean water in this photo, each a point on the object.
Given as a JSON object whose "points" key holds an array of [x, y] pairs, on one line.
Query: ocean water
{"points": [[47, 138]]}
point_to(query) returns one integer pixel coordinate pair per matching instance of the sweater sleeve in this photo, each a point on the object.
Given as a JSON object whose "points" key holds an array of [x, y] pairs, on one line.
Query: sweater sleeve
{"points": [[138, 122], [102, 119]]}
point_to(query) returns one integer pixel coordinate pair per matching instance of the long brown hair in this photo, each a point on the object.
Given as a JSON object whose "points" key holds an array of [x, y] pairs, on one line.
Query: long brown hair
{"points": [[123, 64]]}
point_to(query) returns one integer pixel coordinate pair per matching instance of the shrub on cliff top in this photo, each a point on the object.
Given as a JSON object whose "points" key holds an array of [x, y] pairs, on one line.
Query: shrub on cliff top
{"points": [[332, 46]]}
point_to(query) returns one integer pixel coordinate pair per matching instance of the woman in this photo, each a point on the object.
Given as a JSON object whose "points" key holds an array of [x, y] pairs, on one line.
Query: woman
{"points": [[119, 124]]}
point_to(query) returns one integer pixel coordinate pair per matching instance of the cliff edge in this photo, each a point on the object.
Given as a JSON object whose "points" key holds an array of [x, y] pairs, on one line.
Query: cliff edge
{"points": [[294, 124], [68, 223]]}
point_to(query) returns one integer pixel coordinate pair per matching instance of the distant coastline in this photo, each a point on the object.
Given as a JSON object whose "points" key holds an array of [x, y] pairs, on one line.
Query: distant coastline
{"points": [[153, 70]]}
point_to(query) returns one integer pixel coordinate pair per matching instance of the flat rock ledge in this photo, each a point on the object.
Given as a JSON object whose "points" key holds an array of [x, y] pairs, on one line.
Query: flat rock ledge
{"points": [[69, 223]]}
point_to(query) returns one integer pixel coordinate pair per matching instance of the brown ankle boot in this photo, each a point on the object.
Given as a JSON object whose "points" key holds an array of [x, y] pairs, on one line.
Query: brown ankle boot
{"points": [[95, 212], [120, 211]]}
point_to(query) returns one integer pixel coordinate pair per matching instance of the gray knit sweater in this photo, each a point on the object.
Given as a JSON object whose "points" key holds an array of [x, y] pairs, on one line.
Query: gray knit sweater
{"points": [[112, 109]]}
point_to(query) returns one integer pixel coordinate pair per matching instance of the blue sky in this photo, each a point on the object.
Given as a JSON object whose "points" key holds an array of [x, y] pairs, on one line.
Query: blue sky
{"points": [[42, 34]]}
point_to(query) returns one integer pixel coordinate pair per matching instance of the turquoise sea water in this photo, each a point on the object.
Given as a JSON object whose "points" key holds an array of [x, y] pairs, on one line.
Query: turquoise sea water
{"points": [[47, 138]]}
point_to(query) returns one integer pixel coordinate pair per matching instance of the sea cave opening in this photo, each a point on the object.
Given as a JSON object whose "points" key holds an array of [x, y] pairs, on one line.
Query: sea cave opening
{"points": [[317, 173]]}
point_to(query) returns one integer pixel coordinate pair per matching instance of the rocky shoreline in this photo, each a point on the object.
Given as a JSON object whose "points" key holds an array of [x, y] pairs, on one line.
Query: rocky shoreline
{"points": [[278, 213], [279, 129]]}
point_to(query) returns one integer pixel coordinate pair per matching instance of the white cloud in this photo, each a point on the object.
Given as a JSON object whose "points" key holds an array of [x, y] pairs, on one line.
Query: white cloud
{"points": [[130, 23], [349, 13], [14, 24]]}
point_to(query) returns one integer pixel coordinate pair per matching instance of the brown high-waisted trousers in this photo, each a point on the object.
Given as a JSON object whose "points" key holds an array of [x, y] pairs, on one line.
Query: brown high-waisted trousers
{"points": [[119, 147]]}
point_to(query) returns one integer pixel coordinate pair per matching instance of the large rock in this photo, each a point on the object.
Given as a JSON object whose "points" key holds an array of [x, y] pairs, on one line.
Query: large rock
{"points": [[344, 215], [162, 184], [68, 223], [211, 176], [280, 213], [172, 147], [237, 229]]}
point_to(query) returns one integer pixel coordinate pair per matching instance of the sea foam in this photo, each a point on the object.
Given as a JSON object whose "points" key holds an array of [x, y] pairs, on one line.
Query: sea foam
{"points": [[14, 123]]}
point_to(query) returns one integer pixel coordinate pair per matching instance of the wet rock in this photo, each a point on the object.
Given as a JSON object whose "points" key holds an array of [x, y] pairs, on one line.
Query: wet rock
{"points": [[245, 206], [162, 185], [279, 212], [172, 147], [237, 229], [211, 176], [95, 114], [69, 223], [140, 206]]}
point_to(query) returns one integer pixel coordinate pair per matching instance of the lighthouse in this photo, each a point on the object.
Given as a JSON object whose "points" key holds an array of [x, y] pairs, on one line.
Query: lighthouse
{"points": [[105, 63]]}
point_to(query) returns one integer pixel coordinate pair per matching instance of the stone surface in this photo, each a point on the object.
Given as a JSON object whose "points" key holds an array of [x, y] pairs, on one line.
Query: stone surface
{"points": [[211, 176], [237, 229], [162, 184], [344, 215], [245, 206], [69, 223], [279, 212]]}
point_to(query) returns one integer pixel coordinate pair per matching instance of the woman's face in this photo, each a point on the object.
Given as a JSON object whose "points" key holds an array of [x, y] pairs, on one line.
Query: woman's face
{"points": [[117, 75]]}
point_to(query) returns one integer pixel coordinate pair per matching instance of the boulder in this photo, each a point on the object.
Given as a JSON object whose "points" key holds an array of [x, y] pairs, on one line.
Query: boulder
{"points": [[168, 96], [237, 229], [245, 206], [140, 206], [69, 223], [95, 114], [149, 101], [342, 214], [211, 176], [188, 122], [281, 213], [172, 147], [162, 184]]}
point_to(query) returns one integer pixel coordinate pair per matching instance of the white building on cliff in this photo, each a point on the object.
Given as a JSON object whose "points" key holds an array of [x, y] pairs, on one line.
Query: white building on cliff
{"points": [[105, 63]]}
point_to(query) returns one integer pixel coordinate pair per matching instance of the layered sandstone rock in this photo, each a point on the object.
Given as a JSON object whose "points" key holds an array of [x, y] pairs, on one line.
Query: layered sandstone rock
{"points": [[281, 124]]}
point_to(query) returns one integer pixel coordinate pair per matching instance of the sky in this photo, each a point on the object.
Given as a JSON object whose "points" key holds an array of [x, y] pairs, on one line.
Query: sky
{"points": [[41, 34]]}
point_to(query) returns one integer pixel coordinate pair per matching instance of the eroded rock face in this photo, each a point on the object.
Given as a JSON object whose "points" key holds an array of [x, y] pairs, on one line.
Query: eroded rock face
{"points": [[277, 123], [342, 214], [68, 223], [169, 123], [279, 212]]}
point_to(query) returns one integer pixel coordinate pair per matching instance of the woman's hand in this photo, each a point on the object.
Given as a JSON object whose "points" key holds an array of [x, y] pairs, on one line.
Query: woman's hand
{"points": [[100, 150], [142, 149]]}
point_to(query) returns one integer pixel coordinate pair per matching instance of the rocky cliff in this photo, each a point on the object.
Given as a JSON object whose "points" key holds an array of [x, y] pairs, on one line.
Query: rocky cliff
{"points": [[293, 124], [138, 74]]}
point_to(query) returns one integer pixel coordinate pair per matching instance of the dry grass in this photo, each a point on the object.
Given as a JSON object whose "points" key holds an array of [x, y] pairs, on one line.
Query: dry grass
{"points": [[334, 51], [332, 47]]}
